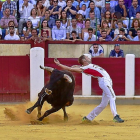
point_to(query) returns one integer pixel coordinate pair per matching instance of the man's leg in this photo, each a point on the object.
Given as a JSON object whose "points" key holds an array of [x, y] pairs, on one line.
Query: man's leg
{"points": [[20, 25]]}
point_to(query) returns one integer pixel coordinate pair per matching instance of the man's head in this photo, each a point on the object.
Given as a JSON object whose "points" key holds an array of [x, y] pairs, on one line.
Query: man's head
{"points": [[117, 48], [25, 1], [107, 5], [103, 34], [55, 2], [92, 5], [122, 31], [22, 38], [47, 14], [120, 24], [69, 3], [138, 32], [90, 31], [84, 60], [58, 23], [138, 15], [91, 14], [95, 47], [44, 34], [74, 22], [11, 30], [7, 11], [83, 7], [34, 32], [121, 2], [135, 3], [74, 34]]}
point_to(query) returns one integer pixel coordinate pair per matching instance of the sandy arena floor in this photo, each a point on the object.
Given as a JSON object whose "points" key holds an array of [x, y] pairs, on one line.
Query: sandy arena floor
{"points": [[18, 127]]}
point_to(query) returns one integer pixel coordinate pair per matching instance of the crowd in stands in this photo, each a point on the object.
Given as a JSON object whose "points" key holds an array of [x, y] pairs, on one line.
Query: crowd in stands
{"points": [[70, 20]]}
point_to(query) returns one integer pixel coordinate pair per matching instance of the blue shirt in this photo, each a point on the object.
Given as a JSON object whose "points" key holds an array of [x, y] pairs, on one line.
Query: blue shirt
{"points": [[51, 22], [113, 53], [136, 38], [96, 11], [86, 3], [108, 38], [119, 9], [31, 1], [132, 11], [69, 13], [75, 4]]}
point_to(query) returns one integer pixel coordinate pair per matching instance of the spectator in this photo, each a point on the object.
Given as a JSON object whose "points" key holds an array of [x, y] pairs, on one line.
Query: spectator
{"points": [[45, 36], [73, 27], [22, 38], [46, 3], [55, 10], [34, 35], [73, 37], [137, 38], [93, 8], [99, 3], [108, 18], [5, 20], [71, 11], [86, 2], [0, 34], [133, 29], [11, 35], [116, 52], [107, 8], [138, 16], [127, 3], [51, 21], [61, 3], [24, 10], [30, 1], [45, 28], [121, 36], [11, 23], [89, 36], [58, 32], [85, 30], [75, 4], [104, 36], [40, 8], [113, 3], [34, 18], [96, 51], [27, 29], [11, 5], [82, 11], [64, 22], [80, 21]]}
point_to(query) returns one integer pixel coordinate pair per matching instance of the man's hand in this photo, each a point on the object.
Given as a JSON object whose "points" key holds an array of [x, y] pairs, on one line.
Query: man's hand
{"points": [[56, 61]]}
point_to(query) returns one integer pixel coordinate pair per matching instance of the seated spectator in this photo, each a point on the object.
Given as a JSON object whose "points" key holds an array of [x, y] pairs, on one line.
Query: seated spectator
{"points": [[73, 37], [64, 22], [104, 36], [51, 21], [120, 25], [117, 52], [107, 17], [46, 3], [24, 10], [55, 10], [89, 36], [96, 51], [58, 31], [61, 3], [133, 29], [93, 8], [11, 5], [105, 27], [71, 11], [122, 36], [138, 16], [86, 2], [99, 3], [82, 11], [33, 36], [11, 35], [34, 18], [73, 27], [22, 38], [0, 34], [76, 4], [5, 20], [40, 8], [45, 28], [85, 30], [11, 23], [80, 21], [107, 8], [137, 38], [45, 36], [27, 29]]}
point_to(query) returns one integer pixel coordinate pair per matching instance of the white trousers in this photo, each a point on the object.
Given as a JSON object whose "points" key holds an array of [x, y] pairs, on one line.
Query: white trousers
{"points": [[108, 95]]}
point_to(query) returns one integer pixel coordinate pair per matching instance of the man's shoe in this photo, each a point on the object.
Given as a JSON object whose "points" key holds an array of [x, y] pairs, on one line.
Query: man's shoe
{"points": [[86, 120], [118, 119]]}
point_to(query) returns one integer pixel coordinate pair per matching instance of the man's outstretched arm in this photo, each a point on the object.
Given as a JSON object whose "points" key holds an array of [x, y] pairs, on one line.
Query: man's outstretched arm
{"points": [[73, 69]]}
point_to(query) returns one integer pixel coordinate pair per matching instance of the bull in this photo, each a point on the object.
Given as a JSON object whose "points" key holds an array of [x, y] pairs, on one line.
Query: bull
{"points": [[58, 92]]}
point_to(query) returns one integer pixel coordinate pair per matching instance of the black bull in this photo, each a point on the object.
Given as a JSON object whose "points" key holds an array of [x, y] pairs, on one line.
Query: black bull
{"points": [[58, 92]]}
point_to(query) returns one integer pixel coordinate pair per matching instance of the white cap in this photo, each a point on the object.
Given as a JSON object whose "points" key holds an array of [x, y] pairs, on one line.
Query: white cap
{"points": [[88, 55]]}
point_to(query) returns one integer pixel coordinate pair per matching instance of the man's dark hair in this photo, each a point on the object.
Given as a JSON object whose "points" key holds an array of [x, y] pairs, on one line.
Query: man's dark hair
{"points": [[47, 11], [91, 11], [122, 29], [34, 29], [138, 29], [57, 20], [103, 31], [90, 29], [74, 32]]}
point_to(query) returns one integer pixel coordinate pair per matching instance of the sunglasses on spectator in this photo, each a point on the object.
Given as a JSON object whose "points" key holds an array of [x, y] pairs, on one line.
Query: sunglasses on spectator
{"points": [[95, 47], [44, 22], [107, 14], [55, 1]]}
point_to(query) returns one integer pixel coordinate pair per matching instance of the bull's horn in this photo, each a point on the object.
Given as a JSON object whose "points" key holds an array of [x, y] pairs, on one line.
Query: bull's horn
{"points": [[68, 78], [50, 69]]}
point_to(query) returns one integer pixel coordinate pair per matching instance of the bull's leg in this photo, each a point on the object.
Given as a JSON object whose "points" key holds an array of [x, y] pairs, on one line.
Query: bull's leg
{"points": [[39, 111], [48, 112], [65, 114]]}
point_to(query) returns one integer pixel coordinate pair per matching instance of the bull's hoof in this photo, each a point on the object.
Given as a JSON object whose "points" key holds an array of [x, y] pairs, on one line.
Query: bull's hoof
{"points": [[38, 116], [65, 119], [36, 122], [28, 111]]}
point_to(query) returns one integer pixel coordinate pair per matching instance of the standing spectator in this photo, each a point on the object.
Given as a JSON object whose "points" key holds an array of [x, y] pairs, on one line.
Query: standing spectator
{"points": [[61, 3], [71, 11], [89, 36], [116, 52], [11, 35], [5, 20], [107, 8], [96, 51], [40, 8], [55, 10], [93, 8], [104, 36], [58, 32], [73, 27], [24, 10], [34, 18], [10, 5], [46, 3], [82, 11], [86, 2], [137, 38], [99, 3], [51, 21]]}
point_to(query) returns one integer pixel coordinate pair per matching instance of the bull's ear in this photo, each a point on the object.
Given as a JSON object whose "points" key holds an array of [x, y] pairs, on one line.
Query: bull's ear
{"points": [[68, 78], [48, 91]]}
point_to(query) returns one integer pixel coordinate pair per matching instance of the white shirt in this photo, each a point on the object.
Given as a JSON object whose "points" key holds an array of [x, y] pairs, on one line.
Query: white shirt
{"points": [[82, 12], [47, 3], [99, 3], [34, 21], [9, 37], [25, 12], [116, 32], [86, 36], [62, 4], [93, 54]]}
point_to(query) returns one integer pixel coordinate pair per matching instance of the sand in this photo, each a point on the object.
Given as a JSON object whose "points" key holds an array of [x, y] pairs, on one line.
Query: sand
{"points": [[15, 124]]}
